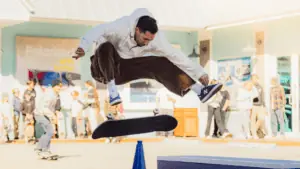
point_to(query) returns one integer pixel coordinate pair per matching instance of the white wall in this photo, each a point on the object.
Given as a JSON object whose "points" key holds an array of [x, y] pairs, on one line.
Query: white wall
{"points": [[168, 12], [223, 11]]}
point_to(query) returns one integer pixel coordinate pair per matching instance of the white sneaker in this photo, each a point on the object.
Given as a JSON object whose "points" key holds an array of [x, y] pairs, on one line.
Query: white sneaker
{"points": [[256, 137], [107, 141], [208, 137], [227, 135]]}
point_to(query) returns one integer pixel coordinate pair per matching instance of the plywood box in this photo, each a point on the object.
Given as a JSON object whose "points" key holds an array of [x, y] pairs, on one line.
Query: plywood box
{"points": [[188, 122]]}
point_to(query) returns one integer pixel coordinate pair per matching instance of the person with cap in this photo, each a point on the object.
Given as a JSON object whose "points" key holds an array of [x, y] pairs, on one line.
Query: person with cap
{"points": [[47, 106]]}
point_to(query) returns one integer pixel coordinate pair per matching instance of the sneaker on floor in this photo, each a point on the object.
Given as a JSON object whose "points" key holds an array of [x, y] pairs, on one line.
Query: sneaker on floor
{"points": [[115, 100], [255, 137], [37, 150], [227, 135], [208, 91], [208, 137], [215, 136], [46, 154]]}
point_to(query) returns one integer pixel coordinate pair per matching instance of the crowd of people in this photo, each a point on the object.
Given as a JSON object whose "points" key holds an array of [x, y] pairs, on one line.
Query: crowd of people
{"points": [[251, 105], [76, 113]]}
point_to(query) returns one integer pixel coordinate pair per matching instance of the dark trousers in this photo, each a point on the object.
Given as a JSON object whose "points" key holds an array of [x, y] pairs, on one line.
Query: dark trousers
{"points": [[74, 126], [214, 112], [223, 118], [106, 65], [16, 125]]}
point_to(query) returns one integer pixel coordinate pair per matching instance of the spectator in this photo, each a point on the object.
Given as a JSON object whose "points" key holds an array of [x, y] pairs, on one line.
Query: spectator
{"points": [[165, 104], [214, 110], [7, 114], [30, 90], [245, 97], [225, 103], [27, 109], [278, 102], [17, 109], [76, 109], [258, 111], [93, 105]]}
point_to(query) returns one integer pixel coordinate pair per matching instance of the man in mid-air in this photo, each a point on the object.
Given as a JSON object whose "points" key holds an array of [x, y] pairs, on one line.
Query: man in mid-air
{"points": [[132, 48]]}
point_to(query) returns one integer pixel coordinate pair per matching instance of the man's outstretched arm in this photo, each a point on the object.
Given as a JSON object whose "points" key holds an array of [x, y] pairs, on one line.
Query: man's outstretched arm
{"points": [[94, 34], [89, 38], [194, 70]]}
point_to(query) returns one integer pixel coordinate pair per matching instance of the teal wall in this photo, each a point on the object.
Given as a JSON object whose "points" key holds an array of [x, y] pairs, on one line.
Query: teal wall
{"points": [[282, 37], [184, 39], [9, 34], [230, 42], [34, 29]]}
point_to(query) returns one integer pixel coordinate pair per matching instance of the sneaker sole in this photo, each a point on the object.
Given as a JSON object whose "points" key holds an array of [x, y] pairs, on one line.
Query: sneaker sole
{"points": [[116, 102], [212, 92], [229, 135]]}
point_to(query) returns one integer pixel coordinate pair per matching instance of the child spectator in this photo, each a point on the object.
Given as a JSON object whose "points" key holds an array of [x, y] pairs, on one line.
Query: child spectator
{"points": [[76, 110], [8, 122], [27, 109]]}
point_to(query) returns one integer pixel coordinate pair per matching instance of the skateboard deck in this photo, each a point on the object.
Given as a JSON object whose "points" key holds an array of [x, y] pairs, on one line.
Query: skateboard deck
{"points": [[123, 127], [53, 157]]}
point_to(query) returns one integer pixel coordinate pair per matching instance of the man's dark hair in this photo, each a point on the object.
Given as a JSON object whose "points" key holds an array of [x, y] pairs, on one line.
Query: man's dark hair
{"points": [[147, 23]]}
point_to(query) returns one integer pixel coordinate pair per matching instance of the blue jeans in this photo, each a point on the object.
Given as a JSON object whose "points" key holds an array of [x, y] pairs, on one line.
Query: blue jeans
{"points": [[44, 141]]}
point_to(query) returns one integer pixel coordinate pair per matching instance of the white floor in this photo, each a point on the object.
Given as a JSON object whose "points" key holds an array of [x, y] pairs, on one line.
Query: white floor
{"points": [[120, 156]]}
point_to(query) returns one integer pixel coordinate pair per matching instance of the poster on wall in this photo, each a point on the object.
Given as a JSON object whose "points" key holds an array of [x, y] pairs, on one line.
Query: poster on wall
{"points": [[235, 70], [232, 73], [46, 78], [49, 56]]}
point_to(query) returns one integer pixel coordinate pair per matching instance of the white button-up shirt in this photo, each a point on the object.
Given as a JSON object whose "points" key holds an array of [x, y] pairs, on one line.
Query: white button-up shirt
{"points": [[121, 34]]}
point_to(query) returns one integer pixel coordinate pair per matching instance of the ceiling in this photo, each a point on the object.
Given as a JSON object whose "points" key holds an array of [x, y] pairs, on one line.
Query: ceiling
{"points": [[187, 14], [12, 12]]}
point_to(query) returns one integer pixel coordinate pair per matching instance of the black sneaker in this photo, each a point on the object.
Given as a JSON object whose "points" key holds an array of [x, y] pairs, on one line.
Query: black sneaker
{"points": [[208, 91]]}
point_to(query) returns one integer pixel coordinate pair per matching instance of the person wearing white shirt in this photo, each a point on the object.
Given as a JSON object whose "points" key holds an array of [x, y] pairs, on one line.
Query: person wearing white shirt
{"points": [[76, 111], [7, 115], [165, 105], [131, 48], [245, 97]]}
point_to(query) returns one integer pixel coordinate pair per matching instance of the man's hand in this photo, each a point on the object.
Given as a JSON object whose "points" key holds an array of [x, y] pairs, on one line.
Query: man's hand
{"points": [[204, 79], [79, 53]]}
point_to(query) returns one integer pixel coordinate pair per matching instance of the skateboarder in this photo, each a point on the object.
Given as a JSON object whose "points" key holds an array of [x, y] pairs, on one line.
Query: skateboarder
{"points": [[132, 48], [47, 106]]}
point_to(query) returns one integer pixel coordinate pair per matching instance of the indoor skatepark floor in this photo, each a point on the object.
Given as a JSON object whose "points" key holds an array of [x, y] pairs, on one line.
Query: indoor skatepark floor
{"points": [[120, 156]]}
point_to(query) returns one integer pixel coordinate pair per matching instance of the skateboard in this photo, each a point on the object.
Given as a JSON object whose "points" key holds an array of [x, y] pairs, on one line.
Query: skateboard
{"points": [[50, 158], [123, 127]]}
